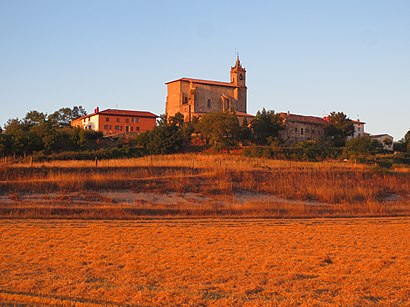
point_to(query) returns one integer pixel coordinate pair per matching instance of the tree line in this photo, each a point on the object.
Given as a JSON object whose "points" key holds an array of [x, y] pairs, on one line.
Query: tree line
{"points": [[49, 134], [222, 130]]}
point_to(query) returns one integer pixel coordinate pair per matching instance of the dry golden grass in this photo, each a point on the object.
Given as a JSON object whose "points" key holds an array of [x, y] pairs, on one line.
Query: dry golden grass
{"points": [[344, 262], [337, 189]]}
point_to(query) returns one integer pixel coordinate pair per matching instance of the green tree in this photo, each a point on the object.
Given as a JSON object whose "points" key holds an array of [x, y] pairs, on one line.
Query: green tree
{"points": [[363, 147], [169, 136], [246, 133], [220, 128], [6, 144], [266, 126], [64, 116], [339, 127], [34, 118], [17, 131], [403, 145]]}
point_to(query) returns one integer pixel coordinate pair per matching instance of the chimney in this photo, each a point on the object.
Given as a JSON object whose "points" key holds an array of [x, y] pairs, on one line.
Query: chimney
{"points": [[96, 110]]}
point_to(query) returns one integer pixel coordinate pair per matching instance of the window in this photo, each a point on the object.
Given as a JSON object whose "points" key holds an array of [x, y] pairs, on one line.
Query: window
{"points": [[107, 119], [89, 118], [296, 129], [106, 127], [185, 101], [137, 128], [301, 131], [84, 120], [137, 120], [209, 103], [118, 120], [118, 128]]}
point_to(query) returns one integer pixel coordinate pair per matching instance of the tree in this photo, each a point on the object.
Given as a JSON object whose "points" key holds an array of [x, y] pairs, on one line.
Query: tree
{"points": [[17, 131], [220, 128], [34, 118], [403, 145], [266, 126], [362, 146], [339, 127], [64, 116], [245, 132], [170, 135]]}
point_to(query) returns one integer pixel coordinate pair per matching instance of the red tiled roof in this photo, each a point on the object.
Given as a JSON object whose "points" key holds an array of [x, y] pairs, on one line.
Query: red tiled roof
{"points": [[127, 113], [209, 82], [121, 112], [303, 118]]}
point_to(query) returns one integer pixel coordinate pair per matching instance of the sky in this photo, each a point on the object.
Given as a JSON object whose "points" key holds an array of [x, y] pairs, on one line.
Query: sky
{"points": [[306, 57]]}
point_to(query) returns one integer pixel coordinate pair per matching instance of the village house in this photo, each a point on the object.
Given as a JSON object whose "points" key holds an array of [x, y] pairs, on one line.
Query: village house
{"points": [[113, 121], [195, 97], [300, 128], [358, 128]]}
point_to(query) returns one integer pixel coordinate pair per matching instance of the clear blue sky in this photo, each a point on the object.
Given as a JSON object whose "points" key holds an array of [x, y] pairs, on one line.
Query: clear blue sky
{"points": [[307, 57]]}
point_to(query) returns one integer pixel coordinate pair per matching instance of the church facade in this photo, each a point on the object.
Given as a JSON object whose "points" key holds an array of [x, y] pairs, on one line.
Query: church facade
{"points": [[195, 97]]}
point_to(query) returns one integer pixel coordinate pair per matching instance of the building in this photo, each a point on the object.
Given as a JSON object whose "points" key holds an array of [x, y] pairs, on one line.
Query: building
{"points": [[385, 139], [195, 97], [300, 128], [112, 121], [358, 128]]}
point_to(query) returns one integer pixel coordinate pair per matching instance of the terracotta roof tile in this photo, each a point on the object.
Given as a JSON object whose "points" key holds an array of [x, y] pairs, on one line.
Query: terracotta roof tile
{"points": [[127, 113], [303, 118], [208, 82], [120, 112]]}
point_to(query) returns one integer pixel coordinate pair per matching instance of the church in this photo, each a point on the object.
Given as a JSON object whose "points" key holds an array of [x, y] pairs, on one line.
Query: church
{"points": [[195, 97]]}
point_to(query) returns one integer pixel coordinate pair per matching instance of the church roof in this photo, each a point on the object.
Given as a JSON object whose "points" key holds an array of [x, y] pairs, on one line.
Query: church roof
{"points": [[207, 82]]}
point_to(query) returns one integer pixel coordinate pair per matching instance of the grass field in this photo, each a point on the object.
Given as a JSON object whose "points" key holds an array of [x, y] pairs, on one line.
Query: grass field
{"points": [[237, 262], [201, 230], [205, 185]]}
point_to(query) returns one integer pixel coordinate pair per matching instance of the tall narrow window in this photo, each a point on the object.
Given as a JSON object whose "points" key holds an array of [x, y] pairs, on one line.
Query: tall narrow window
{"points": [[301, 131], [209, 103]]}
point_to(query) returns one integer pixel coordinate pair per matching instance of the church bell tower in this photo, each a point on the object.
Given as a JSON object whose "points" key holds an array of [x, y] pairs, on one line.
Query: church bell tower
{"points": [[238, 74]]}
